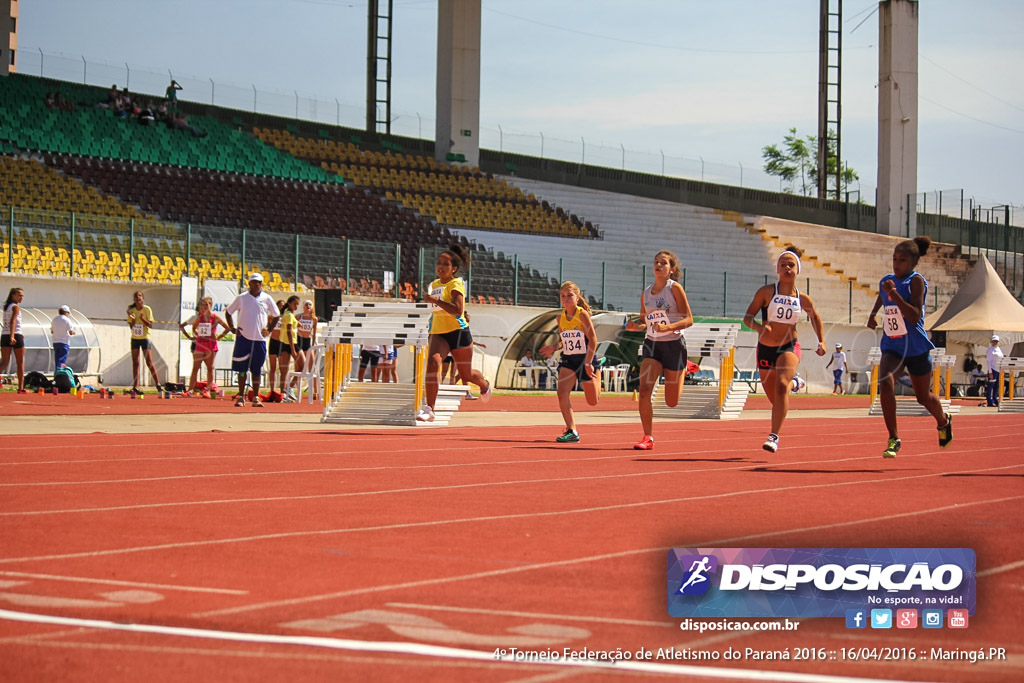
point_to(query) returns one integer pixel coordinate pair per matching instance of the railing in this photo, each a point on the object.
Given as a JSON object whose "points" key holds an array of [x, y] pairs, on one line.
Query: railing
{"points": [[375, 268]]}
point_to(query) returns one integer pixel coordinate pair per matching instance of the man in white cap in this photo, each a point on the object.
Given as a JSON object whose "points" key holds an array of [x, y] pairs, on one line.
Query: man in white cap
{"points": [[839, 358], [257, 314], [61, 329], [994, 355]]}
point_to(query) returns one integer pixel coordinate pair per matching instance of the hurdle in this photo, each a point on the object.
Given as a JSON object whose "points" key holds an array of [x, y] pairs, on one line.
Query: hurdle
{"points": [[942, 374], [347, 401], [716, 341], [1009, 368]]}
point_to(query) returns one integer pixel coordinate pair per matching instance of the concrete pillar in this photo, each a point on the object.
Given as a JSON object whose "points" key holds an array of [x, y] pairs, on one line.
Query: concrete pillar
{"points": [[458, 80], [897, 117], [8, 36]]}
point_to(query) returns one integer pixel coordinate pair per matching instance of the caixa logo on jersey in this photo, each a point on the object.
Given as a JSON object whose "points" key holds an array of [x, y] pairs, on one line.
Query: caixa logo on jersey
{"points": [[816, 582]]}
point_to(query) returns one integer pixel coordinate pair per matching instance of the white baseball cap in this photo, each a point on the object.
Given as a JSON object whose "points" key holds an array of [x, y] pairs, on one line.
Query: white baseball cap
{"points": [[64, 309], [995, 337], [839, 346], [256, 276]]}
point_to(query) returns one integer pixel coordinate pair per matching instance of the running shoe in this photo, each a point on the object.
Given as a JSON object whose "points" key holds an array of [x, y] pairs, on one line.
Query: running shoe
{"points": [[946, 433], [570, 436], [471, 397], [289, 397], [426, 414], [771, 444], [485, 394], [892, 449], [240, 402], [644, 444], [257, 402]]}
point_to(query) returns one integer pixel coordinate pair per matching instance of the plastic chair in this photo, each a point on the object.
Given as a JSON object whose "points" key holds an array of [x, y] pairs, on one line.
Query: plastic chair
{"points": [[621, 374], [310, 374]]}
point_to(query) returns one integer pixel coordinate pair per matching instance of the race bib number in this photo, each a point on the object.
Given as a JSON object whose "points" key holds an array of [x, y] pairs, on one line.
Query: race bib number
{"points": [[573, 342], [895, 323], [205, 329], [306, 325], [437, 292], [785, 310], [138, 330], [654, 317]]}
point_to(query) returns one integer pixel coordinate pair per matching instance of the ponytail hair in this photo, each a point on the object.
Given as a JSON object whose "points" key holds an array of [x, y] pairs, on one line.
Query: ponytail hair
{"points": [[293, 297], [10, 296], [673, 260], [458, 255], [575, 289], [915, 248]]}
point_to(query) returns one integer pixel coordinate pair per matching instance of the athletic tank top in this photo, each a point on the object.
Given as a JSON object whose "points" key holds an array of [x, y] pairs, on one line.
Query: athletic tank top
{"points": [[898, 337], [783, 308], [662, 308], [574, 341], [8, 315]]}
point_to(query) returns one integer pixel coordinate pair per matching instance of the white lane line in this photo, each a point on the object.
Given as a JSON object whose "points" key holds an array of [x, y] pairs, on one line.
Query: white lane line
{"points": [[423, 650], [532, 615], [716, 543], [730, 466], [472, 445], [1002, 568], [463, 520], [134, 584]]}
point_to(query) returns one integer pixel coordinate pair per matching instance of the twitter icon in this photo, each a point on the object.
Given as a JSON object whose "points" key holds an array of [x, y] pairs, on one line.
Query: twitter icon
{"points": [[881, 618]]}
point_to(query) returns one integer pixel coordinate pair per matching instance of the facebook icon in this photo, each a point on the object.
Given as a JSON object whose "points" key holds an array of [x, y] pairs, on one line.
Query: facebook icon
{"points": [[856, 618]]}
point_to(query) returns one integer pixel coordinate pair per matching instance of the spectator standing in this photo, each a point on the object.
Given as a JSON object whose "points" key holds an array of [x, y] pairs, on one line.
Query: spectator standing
{"points": [[13, 341], [61, 330], [140, 320], [257, 314], [171, 95], [994, 356], [839, 358]]}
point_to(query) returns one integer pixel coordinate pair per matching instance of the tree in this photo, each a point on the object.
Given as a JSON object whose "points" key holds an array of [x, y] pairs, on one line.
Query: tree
{"points": [[797, 163]]}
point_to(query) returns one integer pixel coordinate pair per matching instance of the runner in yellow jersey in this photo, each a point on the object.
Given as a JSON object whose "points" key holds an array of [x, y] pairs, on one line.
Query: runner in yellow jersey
{"points": [[449, 330], [578, 342]]}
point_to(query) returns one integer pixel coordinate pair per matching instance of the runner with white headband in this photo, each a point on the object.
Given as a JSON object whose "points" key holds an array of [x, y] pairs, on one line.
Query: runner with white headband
{"points": [[778, 352]]}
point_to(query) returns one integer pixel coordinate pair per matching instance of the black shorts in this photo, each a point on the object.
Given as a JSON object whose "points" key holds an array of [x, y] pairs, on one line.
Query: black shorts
{"points": [[457, 339], [19, 341], [370, 358], [274, 347], [140, 344], [574, 363], [448, 360], [304, 344], [914, 365], [768, 356], [670, 353]]}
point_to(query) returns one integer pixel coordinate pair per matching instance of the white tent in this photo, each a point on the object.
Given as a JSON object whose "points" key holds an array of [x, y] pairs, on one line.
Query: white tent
{"points": [[983, 306]]}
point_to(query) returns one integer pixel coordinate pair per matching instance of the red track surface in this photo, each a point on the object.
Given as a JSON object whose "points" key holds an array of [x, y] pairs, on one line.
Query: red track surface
{"points": [[475, 539]]}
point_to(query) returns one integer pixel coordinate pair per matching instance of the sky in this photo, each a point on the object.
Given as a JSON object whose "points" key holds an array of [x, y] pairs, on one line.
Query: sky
{"points": [[695, 87]]}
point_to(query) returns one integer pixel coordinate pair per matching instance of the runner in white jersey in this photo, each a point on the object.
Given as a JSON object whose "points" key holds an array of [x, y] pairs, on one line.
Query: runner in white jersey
{"points": [[666, 313], [778, 351]]}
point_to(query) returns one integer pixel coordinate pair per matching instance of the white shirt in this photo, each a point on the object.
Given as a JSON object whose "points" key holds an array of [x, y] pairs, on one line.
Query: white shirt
{"points": [[10, 320], [839, 357], [526, 362], [254, 312], [994, 355], [61, 328]]}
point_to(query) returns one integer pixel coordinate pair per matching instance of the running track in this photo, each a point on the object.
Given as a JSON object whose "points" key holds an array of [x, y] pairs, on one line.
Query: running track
{"points": [[414, 554]]}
